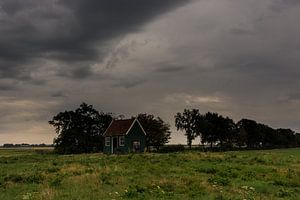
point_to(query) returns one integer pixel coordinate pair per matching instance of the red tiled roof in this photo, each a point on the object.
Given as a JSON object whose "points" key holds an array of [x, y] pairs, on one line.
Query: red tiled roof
{"points": [[118, 127]]}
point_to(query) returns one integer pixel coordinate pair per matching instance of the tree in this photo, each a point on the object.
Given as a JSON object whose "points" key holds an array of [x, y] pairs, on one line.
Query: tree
{"points": [[188, 121], [297, 139], [286, 137], [158, 132], [268, 135], [216, 128], [254, 137], [80, 131], [211, 127]]}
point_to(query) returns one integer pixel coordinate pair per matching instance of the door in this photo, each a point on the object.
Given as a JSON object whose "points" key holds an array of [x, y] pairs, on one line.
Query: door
{"points": [[136, 146], [115, 144]]}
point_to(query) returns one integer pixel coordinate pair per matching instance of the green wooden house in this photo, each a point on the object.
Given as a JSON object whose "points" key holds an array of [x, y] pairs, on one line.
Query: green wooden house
{"points": [[124, 136]]}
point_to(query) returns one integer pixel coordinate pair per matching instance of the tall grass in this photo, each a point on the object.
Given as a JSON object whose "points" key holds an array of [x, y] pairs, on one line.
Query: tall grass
{"points": [[30, 174]]}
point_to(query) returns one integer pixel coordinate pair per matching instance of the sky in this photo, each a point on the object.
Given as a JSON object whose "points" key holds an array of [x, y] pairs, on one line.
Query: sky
{"points": [[239, 58]]}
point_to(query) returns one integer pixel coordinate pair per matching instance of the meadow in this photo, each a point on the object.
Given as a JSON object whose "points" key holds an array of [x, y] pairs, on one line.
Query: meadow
{"points": [[41, 174]]}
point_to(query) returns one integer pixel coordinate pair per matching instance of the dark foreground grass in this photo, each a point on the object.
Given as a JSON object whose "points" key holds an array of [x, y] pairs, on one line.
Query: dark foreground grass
{"points": [[38, 174]]}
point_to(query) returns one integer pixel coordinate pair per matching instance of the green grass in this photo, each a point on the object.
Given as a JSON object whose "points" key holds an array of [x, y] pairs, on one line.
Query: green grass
{"points": [[40, 174]]}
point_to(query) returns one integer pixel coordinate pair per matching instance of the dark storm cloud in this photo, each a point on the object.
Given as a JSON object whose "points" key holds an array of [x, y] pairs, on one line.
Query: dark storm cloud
{"points": [[280, 5], [237, 58], [79, 72], [68, 30]]}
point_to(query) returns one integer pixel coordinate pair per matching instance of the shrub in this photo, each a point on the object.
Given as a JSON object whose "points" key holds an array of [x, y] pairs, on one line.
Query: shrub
{"points": [[290, 173], [35, 178], [2, 183], [56, 181], [249, 175], [228, 173], [171, 148], [105, 178], [286, 183], [135, 191], [207, 170], [52, 169], [23, 178], [218, 180], [15, 178], [284, 193]]}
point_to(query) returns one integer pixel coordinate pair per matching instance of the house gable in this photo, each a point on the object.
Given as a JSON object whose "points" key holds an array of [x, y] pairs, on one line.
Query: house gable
{"points": [[136, 124], [134, 134], [136, 129]]}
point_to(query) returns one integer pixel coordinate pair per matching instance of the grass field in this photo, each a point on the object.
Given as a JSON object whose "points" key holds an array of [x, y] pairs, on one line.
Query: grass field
{"points": [[40, 174]]}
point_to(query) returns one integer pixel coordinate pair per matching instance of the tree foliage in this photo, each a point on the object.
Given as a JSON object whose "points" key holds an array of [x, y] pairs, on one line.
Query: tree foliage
{"points": [[80, 131], [214, 129], [211, 127], [158, 132], [188, 121], [251, 129], [263, 136]]}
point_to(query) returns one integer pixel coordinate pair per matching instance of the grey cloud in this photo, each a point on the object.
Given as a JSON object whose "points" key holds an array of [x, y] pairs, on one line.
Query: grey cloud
{"points": [[171, 69], [8, 85], [58, 94], [294, 97], [128, 83], [280, 5], [237, 58], [242, 32], [69, 31], [79, 72]]}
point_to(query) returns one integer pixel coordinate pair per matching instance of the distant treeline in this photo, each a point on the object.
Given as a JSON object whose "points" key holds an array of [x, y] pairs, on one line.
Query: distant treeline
{"points": [[223, 133], [26, 145]]}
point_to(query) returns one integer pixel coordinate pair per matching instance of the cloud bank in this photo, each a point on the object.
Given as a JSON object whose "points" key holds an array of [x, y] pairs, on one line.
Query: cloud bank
{"points": [[238, 58]]}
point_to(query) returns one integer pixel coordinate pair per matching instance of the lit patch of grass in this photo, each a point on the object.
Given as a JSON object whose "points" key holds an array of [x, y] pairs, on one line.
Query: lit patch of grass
{"points": [[73, 169], [24, 178]]}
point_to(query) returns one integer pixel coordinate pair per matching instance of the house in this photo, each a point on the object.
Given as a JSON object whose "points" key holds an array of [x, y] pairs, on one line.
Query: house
{"points": [[124, 136]]}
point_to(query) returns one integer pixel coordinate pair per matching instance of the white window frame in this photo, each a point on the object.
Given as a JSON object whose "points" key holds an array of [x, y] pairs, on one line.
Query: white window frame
{"points": [[107, 141], [121, 141]]}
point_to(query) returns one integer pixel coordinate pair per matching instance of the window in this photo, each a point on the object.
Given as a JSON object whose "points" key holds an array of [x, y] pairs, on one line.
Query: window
{"points": [[107, 141], [122, 141]]}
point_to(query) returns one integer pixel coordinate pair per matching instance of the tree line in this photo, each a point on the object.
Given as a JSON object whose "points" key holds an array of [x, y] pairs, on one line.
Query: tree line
{"points": [[81, 131], [222, 132], [10, 145]]}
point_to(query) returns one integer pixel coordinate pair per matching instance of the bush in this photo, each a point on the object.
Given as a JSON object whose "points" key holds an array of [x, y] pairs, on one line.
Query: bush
{"points": [[282, 193], [218, 180], [135, 191], [207, 170], [105, 178], [52, 169], [56, 181], [171, 148], [23, 178], [15, 178], [2, 184], [228, 173], [35, 178]]}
